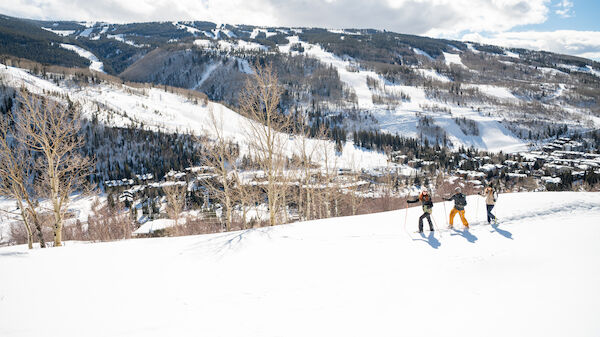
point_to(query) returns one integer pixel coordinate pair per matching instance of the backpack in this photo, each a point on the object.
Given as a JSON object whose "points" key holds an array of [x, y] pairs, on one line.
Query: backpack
{"points": [[461, 200]]}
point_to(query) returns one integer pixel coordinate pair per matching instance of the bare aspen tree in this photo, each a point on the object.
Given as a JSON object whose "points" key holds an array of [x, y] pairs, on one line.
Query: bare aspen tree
{"points": [[306, 153], [353, 187], [221, 154], [329, 172], [12, 180], [107, 223], [175, 194], [16, 176], [259, 101], [389, 182], [53, 130], [245, 196]]}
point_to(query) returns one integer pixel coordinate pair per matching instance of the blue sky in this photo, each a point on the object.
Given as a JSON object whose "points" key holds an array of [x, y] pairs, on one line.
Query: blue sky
{"points": [[568, 27], [563, 26], [584, 16]]}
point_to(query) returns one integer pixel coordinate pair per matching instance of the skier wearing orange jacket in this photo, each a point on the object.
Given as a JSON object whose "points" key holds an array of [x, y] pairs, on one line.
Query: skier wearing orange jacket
{"points": [[427, 204], [460, 201]]}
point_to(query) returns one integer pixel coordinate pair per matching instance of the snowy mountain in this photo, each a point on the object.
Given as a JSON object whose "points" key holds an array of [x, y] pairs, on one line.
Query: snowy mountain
{"points": [[118, 105], [536, 274], [448, 92]]}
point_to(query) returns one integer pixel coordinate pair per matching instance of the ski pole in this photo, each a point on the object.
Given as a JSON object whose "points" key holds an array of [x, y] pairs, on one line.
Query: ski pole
{"points": [[436, 227], [405, 217], [444, 202], [445, 213], [477, 210]]}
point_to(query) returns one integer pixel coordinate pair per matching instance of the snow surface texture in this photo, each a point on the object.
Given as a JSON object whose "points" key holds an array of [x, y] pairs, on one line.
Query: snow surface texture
{"points": [[191, 30], [160, 110], [154, 225], [453, 59], [420, 52], [586, 69], [121, 38], [432, 74], [96, 64], [257, 31], [352, 276], [59, 32], [494, 91]]}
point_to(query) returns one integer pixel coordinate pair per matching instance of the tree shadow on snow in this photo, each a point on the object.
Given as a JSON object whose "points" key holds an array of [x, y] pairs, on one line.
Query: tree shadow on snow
{"points": [[430, 239], [14, 254], [465, 234], [220, 244], [502, 232]]}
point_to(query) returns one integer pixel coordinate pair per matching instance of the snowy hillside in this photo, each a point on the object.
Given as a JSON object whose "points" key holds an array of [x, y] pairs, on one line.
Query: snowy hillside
{"points": [[404, 118], [95, 64], [120, 105], [453, 93], [536, 274]]}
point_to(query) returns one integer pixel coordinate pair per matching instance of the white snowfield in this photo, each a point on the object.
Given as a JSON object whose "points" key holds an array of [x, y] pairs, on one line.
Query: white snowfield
{"points": [[95, 63], [450, 59], [432, 74], [59, 32], [536, 274], [154, 225], [494, 91], [493, 136]]}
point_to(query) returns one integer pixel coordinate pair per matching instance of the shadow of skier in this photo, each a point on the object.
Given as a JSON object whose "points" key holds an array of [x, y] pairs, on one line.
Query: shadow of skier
{"points": [[430, 239], [502, 232], [465, 234]]}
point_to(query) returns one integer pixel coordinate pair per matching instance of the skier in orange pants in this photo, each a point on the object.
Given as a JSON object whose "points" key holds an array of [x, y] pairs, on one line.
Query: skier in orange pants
{"points": [[460, 201]]}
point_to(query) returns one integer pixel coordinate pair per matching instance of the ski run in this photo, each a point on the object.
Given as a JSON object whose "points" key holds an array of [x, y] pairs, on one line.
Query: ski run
{"points": [[535, 274]]}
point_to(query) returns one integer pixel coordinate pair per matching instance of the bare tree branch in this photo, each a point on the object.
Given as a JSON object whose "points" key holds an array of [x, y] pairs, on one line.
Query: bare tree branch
{"points": [[259, 102], [53, 129]]}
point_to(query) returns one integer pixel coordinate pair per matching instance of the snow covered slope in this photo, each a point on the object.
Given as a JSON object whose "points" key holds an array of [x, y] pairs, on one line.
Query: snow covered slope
{"points": [[537, 274], [404, 118], [120, 105], [355, 79], [96, 64]]}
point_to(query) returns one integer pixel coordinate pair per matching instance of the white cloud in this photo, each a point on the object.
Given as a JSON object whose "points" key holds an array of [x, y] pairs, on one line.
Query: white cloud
{"points": [[565, 9], [572, 42], [121, 11], [431, 17], [483, 20]]}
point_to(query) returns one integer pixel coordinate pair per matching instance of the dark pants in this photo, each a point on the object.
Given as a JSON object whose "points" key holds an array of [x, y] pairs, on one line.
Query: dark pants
{"points": [[428, 216], [490, 216]]}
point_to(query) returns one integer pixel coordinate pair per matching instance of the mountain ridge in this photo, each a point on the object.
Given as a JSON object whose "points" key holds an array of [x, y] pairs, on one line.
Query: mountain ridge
{"points": [[443, 91]]}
